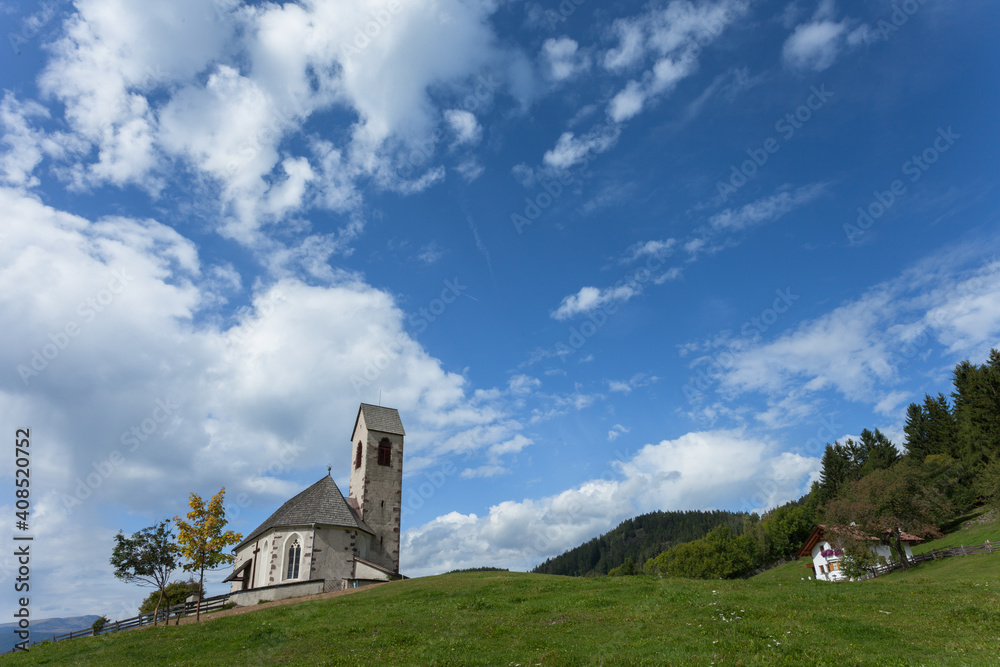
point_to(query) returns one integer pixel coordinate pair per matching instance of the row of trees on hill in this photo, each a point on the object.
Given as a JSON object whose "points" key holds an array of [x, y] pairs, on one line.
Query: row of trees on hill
{"points": [[150, 556], [868, 489], [636, 540]]}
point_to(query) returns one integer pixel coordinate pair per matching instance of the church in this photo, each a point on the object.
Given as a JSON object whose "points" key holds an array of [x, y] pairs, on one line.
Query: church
{"points": [[320, 541]]}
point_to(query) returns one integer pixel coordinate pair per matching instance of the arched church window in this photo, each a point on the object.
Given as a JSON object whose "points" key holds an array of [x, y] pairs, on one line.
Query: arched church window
{"points": [[357, 456], [385, 452], [294, 556]]}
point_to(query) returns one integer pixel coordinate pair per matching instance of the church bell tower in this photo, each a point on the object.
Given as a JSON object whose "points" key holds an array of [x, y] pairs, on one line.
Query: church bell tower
{"points": [[377, 478]]}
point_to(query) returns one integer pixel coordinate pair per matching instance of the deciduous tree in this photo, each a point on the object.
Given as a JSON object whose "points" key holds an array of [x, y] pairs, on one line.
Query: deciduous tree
{"points": [[148, 558], [888, 502], [202, 538]]}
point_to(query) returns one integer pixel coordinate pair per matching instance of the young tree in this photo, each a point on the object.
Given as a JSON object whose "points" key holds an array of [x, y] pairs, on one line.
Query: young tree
{"points": [[148, 557], [888, 502], [202, 540], [175, 593]]}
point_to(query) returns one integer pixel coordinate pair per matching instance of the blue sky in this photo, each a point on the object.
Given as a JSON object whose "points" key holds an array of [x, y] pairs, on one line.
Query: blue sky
{"points": [[605, 258]]}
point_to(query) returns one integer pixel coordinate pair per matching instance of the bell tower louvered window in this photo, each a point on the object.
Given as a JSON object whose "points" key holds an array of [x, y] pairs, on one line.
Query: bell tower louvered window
{"points": [[385, 452]]}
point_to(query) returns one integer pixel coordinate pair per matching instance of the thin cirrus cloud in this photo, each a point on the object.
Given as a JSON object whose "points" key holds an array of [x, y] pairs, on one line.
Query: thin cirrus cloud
{"points": [[766, 209], [672, 37]]}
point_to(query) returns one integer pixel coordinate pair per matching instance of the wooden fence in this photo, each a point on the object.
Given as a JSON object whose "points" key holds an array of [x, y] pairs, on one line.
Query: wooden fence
{"points": [[176, 612], [936, 554]]}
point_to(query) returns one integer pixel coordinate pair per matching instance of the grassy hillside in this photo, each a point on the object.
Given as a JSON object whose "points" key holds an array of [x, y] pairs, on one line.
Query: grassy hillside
{"points": [[943, 613]]}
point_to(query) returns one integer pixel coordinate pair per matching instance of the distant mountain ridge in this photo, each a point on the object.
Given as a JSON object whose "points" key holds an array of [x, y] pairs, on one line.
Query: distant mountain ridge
{"points": [[44, 629], [639, 538]]}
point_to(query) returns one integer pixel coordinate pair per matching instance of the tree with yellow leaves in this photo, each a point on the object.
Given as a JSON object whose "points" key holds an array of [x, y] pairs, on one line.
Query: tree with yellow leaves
{"points": [[201, 538]]}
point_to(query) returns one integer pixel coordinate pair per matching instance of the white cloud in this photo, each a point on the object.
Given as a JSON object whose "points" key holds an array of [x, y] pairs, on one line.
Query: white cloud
{"points": [[563, 58], [488, 470], [814, 46], [26, 146], [470, 170], [182, 394], [589, 298], [631, 44], [861, 348], [696, 471], [674, 36], [247, 80], [766, 209], [636, 381], [523, 384], [616, 431], [430, 253], [627, 103], [464, 126], [654, 248], [571, 150]]}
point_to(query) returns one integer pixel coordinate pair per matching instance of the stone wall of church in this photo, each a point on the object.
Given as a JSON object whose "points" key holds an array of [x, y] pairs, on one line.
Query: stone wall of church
{"points": [[271, 553], [333, 556]]}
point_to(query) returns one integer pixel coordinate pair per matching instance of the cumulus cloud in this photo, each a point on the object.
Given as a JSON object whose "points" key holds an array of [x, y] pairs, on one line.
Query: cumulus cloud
{"points": [[464, 126], [248, 80], [242, 400], [563, 58], [703, 470]]}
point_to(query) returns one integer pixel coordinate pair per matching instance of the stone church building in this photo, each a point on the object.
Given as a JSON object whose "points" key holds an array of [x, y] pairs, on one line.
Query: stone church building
{"points": [[320, 541]]}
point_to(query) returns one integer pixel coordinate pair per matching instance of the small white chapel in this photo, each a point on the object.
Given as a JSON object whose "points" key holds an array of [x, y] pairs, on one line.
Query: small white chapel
{"points": [[320, 541]]}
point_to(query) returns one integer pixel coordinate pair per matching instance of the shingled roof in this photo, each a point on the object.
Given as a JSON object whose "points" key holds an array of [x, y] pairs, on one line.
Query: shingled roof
{"points": [[381, 419], [322, 504]]}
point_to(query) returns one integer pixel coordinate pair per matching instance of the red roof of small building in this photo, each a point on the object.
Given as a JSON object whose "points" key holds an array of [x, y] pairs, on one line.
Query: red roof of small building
{"points": [[817, 536]]}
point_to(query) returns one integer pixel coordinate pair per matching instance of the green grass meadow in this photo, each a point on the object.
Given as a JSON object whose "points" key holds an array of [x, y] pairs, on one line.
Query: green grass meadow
{"points": [[942, 613]]}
